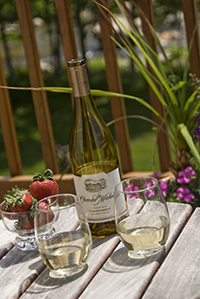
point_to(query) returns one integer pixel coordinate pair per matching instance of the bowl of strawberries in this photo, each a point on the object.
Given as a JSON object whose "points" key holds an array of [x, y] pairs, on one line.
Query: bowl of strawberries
{"points": [[17, 209]]}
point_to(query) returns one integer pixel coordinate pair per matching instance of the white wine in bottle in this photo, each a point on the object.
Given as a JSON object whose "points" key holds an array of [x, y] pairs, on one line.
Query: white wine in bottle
{"points": [[93, 156]]}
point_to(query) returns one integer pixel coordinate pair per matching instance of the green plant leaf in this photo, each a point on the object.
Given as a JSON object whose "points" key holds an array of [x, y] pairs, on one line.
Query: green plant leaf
{"points": [[188, 139], [179, 86]]}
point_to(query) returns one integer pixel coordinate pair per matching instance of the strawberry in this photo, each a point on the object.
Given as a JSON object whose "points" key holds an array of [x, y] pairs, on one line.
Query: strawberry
{"points": [[9, 214], [45, 217], [24, 222], [43, 185], [18, 200], [27, 224], [4, 208]]}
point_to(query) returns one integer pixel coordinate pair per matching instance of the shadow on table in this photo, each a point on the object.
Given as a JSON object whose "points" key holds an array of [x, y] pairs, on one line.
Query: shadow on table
{"points": [[99, 241], [17, 256], [45, 283], [121, 262]]}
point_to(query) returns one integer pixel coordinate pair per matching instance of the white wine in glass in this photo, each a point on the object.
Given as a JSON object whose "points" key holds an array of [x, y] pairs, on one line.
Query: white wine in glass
{"points": [[62, 234], [143, 225]]}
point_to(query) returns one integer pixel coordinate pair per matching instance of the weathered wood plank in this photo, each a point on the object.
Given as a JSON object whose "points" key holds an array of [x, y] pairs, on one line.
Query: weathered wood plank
{"points": [[72, 287], [102, 248], [122, 277], [7, 240], [179, 276], [18, 270], [119, 275]]}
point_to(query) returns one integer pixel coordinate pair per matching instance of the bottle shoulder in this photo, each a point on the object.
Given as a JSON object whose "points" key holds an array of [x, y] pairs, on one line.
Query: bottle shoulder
{"points": [[91, 140]]}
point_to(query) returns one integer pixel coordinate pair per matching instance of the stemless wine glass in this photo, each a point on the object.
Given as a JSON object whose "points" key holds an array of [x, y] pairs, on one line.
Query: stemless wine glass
{"points": [[141, 216], [62, 234]]}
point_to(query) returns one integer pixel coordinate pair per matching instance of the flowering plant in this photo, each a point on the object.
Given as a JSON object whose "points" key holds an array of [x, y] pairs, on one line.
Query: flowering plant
{"points": [[184, 188], [185, 185], [181, 106]]}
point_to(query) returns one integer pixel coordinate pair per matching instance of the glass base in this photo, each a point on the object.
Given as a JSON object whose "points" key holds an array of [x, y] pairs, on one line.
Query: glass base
{"points": [[66, 272], [143, 253], [27, 243]]}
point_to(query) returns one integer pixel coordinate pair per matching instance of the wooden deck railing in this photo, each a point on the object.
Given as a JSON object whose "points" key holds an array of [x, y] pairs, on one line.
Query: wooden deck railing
{"points": [[114, 84]]}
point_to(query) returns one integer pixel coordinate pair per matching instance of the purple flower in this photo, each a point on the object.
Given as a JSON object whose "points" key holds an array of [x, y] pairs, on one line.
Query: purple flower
{"points": [[149, 184], [197, 134], [156, 175], [197, 118], [131, 188], [185, 176], [163, 187], [198, 121], [197, 129], [184, 194]]}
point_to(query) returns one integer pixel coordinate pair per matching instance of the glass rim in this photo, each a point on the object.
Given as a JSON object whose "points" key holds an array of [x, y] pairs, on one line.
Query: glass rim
{"points": [[13, 213], [56, 196], [139, 190]]}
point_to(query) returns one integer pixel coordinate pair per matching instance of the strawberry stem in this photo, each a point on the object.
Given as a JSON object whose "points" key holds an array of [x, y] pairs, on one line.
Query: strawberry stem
{"points": [[48, 175], [14, 196]]}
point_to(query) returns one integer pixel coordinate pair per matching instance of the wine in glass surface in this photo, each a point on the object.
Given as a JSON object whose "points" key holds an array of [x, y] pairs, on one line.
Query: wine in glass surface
{"points": [[62, 234], [143, 223]]}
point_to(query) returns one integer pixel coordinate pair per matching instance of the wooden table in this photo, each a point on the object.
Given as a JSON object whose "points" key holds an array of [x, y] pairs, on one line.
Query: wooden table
{"points": [[174, 273]]}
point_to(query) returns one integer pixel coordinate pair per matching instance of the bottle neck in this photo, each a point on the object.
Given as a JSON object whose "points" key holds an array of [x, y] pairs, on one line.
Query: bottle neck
{"points": [[80, 83]]}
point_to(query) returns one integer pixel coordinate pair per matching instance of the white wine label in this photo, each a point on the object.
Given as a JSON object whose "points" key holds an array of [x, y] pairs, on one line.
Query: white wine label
{"points": [[96, 194]]}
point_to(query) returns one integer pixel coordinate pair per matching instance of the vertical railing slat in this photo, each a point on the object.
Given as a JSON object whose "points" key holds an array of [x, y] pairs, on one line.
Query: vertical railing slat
{"points": [[8, 129], [114, 85], [36, 80], [163, 141], [192, 32], [66, 31]]}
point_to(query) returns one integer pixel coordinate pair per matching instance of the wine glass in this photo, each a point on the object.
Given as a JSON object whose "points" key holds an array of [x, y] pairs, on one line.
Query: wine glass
{"points": [[141, 216], [62, 234]]}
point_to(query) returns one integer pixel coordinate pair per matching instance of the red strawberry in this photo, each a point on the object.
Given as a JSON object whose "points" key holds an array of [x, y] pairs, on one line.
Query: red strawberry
{"points": [[24, 222], [6, 208], [27, 224], [24, 204], [18, 200], [43, 185], [43, 206], [3, 207], [45, 217]]}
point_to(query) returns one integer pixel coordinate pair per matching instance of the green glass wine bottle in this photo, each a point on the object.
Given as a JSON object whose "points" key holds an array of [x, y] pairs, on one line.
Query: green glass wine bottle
{"points": [[93, 156]]}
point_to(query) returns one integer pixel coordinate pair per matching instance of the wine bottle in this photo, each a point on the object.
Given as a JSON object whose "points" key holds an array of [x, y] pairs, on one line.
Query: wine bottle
{"points": [[93, 156]]}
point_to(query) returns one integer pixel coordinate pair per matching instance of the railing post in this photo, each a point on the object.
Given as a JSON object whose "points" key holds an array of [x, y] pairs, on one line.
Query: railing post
{"points": [[36, 80], [8, 129], [163, 142], [66, 31], [114, 85], [192, 32]]}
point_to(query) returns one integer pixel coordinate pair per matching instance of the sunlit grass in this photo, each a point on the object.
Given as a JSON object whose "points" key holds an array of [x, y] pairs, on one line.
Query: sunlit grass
{"points": [[142, 152]]}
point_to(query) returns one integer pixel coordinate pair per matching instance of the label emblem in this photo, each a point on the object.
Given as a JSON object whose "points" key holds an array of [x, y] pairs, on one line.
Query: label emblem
{"points": [[95, 185]]}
